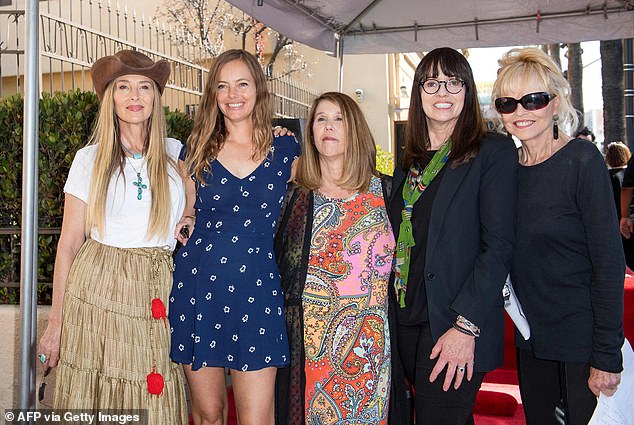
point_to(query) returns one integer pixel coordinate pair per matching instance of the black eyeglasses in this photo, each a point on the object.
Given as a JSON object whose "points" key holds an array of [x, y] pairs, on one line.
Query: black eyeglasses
{"points": [[530, 102], [431, 85]]}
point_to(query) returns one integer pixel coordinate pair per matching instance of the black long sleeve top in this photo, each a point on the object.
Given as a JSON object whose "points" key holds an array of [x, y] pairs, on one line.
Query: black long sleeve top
{"points": [[568, 265]]}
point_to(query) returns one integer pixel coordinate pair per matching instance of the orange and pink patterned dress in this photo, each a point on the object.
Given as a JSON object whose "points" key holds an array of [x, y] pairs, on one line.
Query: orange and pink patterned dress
{"points": [[346, 334]]}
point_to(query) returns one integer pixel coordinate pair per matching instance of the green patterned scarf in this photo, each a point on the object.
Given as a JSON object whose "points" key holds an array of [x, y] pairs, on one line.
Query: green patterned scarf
{"points": [[413, 188]]}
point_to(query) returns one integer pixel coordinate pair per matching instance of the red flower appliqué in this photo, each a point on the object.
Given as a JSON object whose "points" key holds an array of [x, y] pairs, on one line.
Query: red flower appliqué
{"points": [[155, 382]]}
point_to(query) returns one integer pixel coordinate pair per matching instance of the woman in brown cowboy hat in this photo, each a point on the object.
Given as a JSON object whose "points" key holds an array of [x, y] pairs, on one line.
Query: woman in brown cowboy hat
{"points": [[107, 329]]}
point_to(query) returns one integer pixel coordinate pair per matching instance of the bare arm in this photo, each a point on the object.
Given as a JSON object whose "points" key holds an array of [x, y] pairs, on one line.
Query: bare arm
{"points": [[71, 239], [189, 213], [293, 170]]}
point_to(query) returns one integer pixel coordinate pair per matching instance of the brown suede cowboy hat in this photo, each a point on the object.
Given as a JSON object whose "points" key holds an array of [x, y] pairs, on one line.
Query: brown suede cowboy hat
{"points": [[125, 62]]}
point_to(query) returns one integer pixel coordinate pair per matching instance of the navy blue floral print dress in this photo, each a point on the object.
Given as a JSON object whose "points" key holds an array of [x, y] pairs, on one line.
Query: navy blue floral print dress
{"points": [[226, 305]]}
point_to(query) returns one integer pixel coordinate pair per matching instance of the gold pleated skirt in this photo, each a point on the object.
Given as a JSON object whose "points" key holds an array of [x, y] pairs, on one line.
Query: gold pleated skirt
{"points": [[110, 342]]}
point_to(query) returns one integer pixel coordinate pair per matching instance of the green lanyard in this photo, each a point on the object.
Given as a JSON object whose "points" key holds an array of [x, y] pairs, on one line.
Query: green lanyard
{"points": [[413, 188]]}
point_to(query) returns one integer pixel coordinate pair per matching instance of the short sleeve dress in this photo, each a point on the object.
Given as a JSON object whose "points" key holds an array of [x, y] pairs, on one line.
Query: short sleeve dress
{"points": [[226, 305]]}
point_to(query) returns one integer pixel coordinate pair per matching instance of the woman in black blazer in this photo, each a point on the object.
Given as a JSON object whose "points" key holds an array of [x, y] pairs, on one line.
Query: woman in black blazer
{"points": [[457, 186]]}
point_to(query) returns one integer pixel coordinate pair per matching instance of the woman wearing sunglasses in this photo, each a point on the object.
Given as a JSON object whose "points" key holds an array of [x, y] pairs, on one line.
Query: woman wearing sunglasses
{"points": [[568, 262], [452, 209]]}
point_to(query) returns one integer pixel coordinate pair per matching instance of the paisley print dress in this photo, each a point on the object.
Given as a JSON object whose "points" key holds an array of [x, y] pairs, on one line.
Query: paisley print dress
{"points": [[346, 334]]}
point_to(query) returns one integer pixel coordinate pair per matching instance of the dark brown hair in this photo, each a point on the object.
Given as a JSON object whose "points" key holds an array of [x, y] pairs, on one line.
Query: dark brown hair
{"points": [[470, 127], [617, 155]]}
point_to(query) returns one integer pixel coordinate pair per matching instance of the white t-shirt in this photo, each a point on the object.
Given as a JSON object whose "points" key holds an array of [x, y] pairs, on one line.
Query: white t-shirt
{"points": [[127, 217]]}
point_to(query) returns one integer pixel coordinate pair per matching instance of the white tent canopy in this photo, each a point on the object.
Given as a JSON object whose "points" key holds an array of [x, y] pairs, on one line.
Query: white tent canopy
{"points": [[385, 26]]}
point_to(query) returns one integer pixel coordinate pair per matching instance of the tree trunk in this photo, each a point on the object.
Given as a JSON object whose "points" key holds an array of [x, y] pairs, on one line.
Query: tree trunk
{"points": [[279, 45], [612, 90], [553, 51], [575, 78]]}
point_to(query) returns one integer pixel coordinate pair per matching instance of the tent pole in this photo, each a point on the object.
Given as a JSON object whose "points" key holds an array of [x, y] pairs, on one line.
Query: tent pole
{"points": [[28, 262], [340, 60]]}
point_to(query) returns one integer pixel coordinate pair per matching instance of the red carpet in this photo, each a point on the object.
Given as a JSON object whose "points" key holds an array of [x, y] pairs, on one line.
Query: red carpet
{"points": [[496, 403], [508, 390], [499, 402]]}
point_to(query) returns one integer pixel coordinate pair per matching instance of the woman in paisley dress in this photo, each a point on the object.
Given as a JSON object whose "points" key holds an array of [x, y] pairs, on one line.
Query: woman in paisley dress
{"points": [[335, 248]]}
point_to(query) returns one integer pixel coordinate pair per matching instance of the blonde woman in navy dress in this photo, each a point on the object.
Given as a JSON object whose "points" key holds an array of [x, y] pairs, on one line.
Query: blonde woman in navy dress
{"points": [[226, 303]]}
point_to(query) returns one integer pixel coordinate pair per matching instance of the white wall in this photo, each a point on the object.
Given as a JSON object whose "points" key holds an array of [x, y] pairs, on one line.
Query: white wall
{"points": [[369, 73]]}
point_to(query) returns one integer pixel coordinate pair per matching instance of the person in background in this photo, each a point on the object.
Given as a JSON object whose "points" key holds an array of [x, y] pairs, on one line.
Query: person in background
{"points": [[585, 133], [568, 263], [625, 212], [107, 330], [334, 247], [617, 157], [226, 305], [452, 208]]}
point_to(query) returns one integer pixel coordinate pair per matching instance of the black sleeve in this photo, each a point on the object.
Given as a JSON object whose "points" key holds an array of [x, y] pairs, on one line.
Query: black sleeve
{"points": [[497, 199], [598, 214]]}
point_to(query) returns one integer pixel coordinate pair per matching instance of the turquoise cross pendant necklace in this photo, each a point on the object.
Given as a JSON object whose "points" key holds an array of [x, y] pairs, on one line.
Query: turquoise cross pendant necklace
{"points": [[139, 182]]}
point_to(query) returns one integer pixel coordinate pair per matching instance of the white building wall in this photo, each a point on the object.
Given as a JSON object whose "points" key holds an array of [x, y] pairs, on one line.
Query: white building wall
{"points": [[369, 73]]}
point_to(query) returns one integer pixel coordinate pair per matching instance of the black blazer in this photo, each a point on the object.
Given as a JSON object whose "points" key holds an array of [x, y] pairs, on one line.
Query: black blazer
{"points": [[470, 245]]}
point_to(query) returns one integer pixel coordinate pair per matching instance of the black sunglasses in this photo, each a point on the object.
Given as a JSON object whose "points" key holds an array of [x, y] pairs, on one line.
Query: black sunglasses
{"points": [[530, 102]]}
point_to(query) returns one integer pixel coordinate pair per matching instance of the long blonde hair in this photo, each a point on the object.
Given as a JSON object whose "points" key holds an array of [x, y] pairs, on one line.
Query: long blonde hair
{"points": [[360, 153], [531, 64], [209, 132], [110, 161]]}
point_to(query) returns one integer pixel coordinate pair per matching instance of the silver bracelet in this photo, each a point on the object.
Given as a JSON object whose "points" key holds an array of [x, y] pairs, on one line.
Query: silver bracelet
{"points": [[464, 323]]}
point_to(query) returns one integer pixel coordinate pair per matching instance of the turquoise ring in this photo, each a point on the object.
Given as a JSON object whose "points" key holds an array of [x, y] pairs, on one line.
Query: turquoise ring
{"points": [[42, 358]]}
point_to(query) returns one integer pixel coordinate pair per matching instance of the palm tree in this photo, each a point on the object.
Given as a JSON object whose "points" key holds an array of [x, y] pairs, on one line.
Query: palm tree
{"points": [[612, 90], [575, 78], [553, 51]]}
